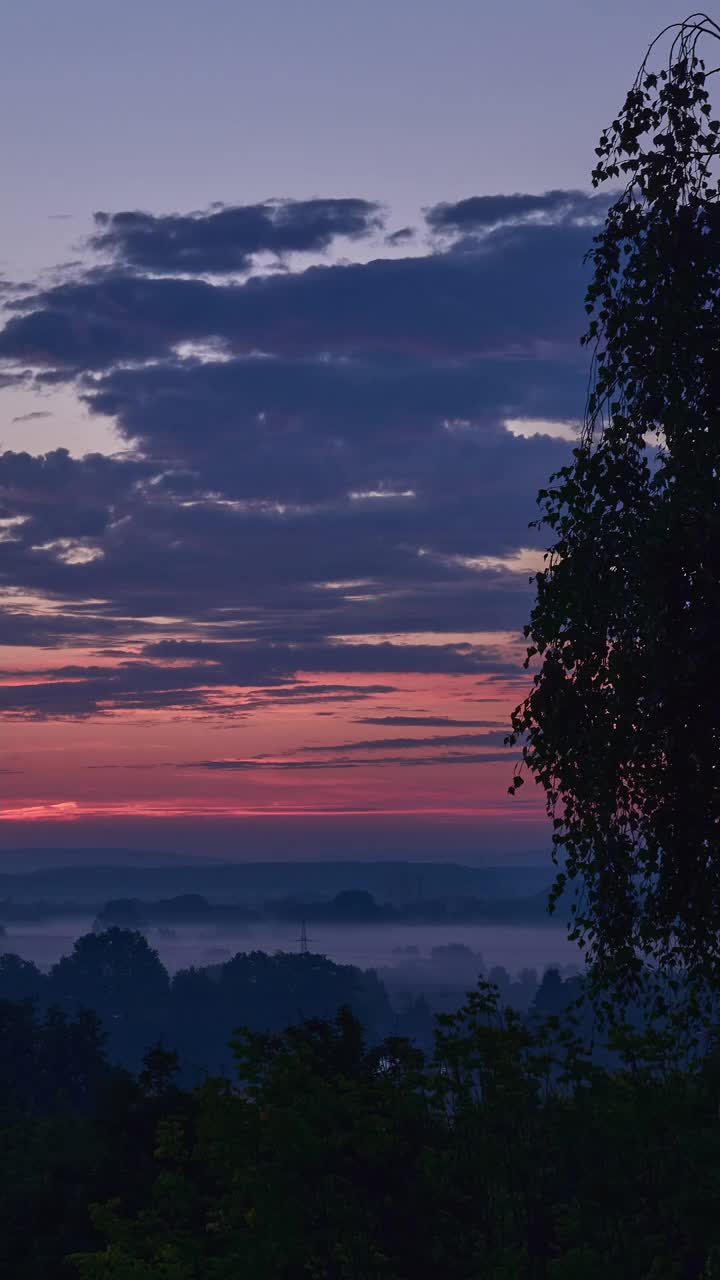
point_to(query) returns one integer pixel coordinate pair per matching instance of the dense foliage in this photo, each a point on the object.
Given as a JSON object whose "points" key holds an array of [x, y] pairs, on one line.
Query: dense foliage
{"points": [[507, 1154], [117, 974], [622, 728]]}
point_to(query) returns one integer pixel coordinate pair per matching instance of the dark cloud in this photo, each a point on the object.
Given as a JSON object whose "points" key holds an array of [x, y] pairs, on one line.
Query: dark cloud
{"points": [[155, 544], [60, 496], [32, 417], [315, 459], [259, 573], [292, 615], [404, 744], [481, 213], [306, 430], [68, 624], [229, 661], [519, 293], [401, 236], [75, 692], [293, 766], [315, 693], [226, 238], [426, 721]]}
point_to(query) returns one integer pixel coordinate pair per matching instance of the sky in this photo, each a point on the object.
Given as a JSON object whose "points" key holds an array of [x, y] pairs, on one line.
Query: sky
{"points": [[292, 299]]}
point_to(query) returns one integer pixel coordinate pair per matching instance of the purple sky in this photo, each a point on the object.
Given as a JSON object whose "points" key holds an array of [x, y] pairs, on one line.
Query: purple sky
{"points": [[173, 104], [280, 576]]}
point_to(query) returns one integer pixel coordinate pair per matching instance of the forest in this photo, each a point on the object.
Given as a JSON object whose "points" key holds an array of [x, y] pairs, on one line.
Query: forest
{"points": [[507, 1151]]}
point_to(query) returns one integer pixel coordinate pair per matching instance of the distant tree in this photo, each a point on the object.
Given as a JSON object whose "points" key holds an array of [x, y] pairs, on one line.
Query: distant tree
{"points": [[120, 976], [111, 972], [499, 977], [352, 906], [457, 953], [265, 993], [123, 913], [416, 1023], [622, 725], [184, 907], [270, 992], [551, 998], [20, 979]]}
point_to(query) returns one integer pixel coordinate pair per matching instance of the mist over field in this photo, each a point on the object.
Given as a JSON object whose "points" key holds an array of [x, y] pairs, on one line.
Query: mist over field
{"points": [[514, 947]]}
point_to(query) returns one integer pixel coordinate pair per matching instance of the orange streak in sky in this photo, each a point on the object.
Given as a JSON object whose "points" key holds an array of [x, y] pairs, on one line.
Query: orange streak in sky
{"points": [[70, 810]]}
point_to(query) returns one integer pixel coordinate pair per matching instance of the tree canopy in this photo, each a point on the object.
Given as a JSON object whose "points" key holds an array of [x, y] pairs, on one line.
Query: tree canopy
{"points": [[622, 724]]}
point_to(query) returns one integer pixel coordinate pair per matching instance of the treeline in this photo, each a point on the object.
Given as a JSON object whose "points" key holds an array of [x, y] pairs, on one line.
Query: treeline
{"points": [[117, 974], [503, 1155], [350, 906]]}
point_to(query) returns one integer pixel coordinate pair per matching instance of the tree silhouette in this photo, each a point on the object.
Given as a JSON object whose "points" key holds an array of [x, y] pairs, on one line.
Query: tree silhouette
{"points": [[112, 971], [118, 974], [622, 727], [20, 979]]}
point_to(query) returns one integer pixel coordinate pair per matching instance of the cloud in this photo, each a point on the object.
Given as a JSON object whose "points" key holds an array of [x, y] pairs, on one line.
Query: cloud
{"points": [[392, 565], [313, 459], [403, 744], [519, 293], [484, 213], [401, 236], [226, 238], [315, 693], [274, 415], [225, 663], [60, 496], [251, 700], [297, 766], [426, 721], [35, 416], [217, 687]]}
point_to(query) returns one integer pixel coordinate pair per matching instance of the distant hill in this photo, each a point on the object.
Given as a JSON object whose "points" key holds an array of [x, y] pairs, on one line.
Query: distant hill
{"points": [[91, 877], [39, 859]]}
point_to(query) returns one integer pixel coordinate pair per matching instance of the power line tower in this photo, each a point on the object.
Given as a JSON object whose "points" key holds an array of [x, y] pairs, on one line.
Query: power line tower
{"points": [[303, 940]]}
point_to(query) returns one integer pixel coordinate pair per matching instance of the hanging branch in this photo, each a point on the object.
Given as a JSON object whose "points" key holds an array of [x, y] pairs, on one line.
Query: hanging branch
{"points": [[621, 727]]}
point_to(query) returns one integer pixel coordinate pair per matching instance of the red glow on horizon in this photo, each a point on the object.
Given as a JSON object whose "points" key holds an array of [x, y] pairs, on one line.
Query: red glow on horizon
{"points": [[141, 764], [72, 811]]}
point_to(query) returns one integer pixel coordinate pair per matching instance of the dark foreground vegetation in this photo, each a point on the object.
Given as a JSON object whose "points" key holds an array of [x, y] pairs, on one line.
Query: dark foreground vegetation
{"points": [[505, 1153]]}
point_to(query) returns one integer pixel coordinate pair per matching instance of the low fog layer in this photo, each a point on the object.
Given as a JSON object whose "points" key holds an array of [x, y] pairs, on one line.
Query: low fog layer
{"points": [[514, 947]]}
